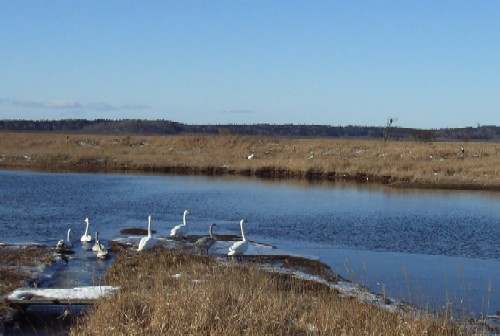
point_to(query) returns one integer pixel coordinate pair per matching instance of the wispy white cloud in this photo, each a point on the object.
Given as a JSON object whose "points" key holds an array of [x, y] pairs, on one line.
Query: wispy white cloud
{"points": [[135, 107], [58, 104], [238, 112], [55, 104], [64, 104], [102, 106]]}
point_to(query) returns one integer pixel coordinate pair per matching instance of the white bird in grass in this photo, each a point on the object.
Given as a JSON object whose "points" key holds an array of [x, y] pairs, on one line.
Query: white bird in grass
{"points": [[241, 246], [182, 229], [205, 243], [86, 238], [147, 242]]}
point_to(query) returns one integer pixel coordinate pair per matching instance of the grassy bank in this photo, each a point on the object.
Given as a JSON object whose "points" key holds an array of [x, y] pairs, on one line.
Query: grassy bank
{"points": [[398, 163], [165, 292], [19, 263]]}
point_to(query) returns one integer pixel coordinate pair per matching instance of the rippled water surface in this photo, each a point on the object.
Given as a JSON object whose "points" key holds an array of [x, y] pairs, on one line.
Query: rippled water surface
{"points": [[396, 241]]}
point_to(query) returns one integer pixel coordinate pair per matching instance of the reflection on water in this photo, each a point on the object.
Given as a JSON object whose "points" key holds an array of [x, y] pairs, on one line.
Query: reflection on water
{"points": [[396, 231]]}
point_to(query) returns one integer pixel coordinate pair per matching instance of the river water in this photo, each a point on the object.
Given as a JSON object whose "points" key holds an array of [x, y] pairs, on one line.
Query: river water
{"points": [[429, 248]]}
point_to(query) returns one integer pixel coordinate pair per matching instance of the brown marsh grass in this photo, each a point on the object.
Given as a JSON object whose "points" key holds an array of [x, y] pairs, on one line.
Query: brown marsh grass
{"points": [[164, 292], [15, 265], [399, 162]]}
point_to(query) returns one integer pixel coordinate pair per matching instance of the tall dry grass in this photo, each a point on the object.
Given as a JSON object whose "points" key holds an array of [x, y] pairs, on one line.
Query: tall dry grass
{"points": [[16, 264], [438, 163], [165, 292]]}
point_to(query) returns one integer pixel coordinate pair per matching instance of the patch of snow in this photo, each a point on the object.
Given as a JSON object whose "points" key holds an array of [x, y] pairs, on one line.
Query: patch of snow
{"points": [[345, 288], [86, 292], [254, 249]]}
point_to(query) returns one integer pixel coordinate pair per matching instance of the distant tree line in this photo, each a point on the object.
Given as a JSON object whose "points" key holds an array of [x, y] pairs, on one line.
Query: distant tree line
{"points": [[166, 127]]}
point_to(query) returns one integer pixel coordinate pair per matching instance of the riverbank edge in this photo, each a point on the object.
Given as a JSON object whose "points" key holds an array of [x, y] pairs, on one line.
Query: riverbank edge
{"points": [[270, 173]]}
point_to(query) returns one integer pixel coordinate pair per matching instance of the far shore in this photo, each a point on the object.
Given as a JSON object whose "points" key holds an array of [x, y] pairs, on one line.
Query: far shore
{"points": [[402, 164]]}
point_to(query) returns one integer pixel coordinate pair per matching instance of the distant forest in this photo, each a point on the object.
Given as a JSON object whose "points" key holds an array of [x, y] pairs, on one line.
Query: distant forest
{"points": [[166, 127]]}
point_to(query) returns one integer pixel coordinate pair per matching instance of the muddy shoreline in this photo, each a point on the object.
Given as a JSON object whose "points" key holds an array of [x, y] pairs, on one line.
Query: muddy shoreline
{"points": [[269, 173]]}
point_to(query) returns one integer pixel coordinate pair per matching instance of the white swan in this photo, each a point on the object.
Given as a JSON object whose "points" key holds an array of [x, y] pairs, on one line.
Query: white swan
{"points": [[205, 243], [64, 244], [148, 241], [68, 243], [182, 229], [86, 238], [97, 244], [241, 246], [102, 253]]}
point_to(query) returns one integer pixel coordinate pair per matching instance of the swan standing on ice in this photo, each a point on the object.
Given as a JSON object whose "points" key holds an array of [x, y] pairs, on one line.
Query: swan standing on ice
{"points": [[205, 243], [86, 238], [148, 241], [64, 244], [241, 246], [182, 229]]}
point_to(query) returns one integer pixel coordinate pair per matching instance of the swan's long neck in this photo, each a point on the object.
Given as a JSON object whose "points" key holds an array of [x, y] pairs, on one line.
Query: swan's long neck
{"points": [[87, 227], [210, 230], [149, 226], [69, 230], [97, 238], [184, 219], [242, 232]]}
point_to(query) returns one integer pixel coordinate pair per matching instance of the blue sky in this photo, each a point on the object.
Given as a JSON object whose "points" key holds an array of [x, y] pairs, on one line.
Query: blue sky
{"points": [[430, 64]]}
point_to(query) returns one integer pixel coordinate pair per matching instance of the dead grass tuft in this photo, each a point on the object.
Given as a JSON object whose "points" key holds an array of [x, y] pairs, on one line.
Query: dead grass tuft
{"points": [[25, 256], [15, 263], [171, 293]]}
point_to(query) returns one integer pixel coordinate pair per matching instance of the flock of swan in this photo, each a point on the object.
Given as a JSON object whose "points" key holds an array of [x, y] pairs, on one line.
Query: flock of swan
{"points": [[203, 244], [65, 246], [148, 242]]}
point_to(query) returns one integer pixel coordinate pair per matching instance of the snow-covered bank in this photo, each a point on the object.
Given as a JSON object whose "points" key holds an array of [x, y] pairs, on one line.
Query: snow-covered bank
{"points": [[60, 294]]}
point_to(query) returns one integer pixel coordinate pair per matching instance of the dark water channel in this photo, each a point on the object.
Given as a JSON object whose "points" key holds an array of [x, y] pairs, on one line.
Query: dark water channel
{"points": [[431, 248]]}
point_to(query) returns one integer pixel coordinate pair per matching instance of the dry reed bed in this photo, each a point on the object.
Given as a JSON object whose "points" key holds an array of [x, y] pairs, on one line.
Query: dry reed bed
{"points": [[16, 266], [169, 293], [418, 164]]}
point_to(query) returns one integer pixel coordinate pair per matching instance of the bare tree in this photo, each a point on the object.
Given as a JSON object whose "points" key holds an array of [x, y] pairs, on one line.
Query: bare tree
{"points": [[388, 127]]}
